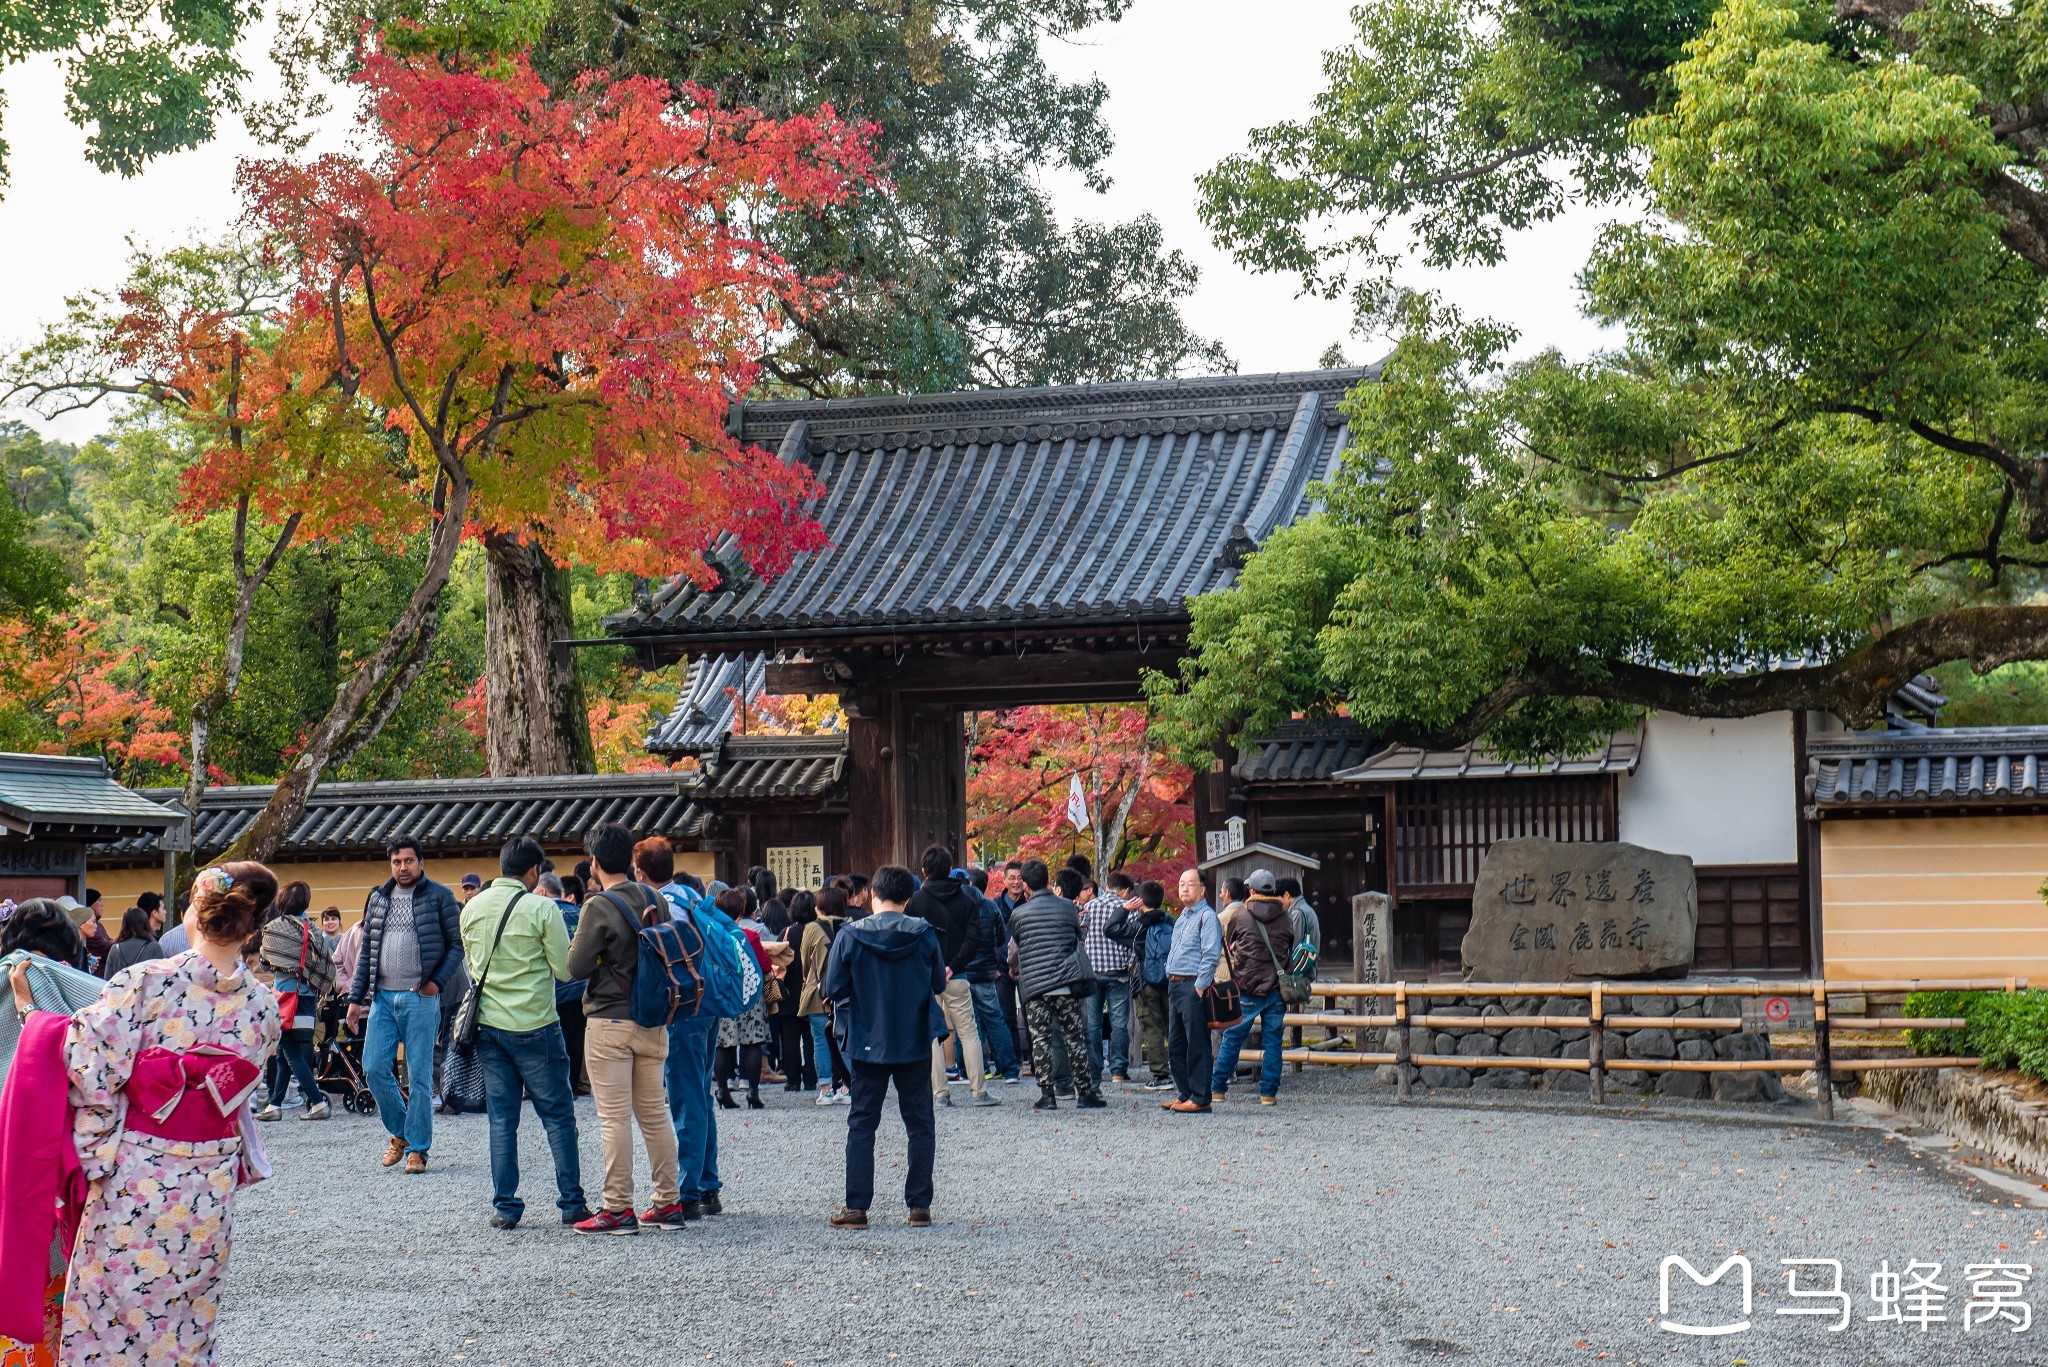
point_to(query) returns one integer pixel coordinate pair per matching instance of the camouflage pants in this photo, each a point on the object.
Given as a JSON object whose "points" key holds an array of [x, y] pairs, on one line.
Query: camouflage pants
{"points": [[1061, 1016]]}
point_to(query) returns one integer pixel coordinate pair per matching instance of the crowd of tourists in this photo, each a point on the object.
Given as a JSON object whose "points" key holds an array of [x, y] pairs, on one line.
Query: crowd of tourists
{"points": [[130, 1112]]}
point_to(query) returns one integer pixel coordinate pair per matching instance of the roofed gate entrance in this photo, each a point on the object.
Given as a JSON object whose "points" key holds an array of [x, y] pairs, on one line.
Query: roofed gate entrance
{"points": [[996, 549]]}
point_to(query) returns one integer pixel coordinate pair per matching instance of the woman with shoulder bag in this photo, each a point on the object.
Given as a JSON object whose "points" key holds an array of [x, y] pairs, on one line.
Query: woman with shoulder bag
{"points": [[294, 956]]}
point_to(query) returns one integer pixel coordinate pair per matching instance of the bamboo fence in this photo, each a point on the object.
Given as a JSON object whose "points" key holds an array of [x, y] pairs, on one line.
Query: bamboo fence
{"points": [[1596, 1065]]}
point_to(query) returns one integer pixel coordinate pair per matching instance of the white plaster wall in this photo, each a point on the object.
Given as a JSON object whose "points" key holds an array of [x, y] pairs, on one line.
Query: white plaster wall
{"points": [[1721, 791]]}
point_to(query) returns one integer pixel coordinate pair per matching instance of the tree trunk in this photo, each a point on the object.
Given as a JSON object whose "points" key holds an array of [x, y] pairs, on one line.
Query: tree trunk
{"points": [[358, 708], [536, 721], [209, 704]]}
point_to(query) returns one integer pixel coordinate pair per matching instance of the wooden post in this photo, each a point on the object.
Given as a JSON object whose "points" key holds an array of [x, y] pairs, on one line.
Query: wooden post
{"points": [[1596, 1050], [1403, 1042], [1823, 1053]]}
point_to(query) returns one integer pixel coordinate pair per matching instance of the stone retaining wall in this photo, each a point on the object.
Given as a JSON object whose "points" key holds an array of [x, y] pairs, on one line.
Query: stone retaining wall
{"points": [[1977, 1109], [1646, 1043]]}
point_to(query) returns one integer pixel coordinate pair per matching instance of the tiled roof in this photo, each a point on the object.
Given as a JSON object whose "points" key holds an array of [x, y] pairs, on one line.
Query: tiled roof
{"points": [[704, 712], [1077, 503], [69, 795], [1307, 752], [775, 767], [1958, 766], [448, 814], [1918, 700], [1403, 763]]}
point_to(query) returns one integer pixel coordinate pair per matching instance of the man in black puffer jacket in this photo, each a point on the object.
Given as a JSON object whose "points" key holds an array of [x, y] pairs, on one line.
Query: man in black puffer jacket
{"points": [[1053, 975], [955, 912]]}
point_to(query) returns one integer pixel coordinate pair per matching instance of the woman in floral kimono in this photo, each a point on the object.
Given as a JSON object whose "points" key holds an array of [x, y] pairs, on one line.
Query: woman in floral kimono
{"points": [[161, 1070]]}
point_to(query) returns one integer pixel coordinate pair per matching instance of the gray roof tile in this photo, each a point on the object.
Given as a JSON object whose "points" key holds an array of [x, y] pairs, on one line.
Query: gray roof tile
{"points": [[1307, 752], [71, 794], [1123, 496], [1405, 763], [711, 693], [1960, 766]]}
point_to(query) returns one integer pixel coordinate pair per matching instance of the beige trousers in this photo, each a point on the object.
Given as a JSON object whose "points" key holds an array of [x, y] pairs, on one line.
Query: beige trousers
{"points": [[958, 1003], [625, 1063]]}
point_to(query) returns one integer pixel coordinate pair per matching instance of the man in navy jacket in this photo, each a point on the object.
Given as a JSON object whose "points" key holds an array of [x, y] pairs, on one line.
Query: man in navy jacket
{"points": [[883, 979]]}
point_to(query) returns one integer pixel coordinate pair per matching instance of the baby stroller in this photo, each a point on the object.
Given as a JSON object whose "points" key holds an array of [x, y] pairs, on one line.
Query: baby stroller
{"points": [[339, 1069]]}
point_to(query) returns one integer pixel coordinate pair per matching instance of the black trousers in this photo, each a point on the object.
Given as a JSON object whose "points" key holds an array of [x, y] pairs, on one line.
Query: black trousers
{"points": [[1189, 1052], [799, 1052], [573, 1022], [914, 1099]]}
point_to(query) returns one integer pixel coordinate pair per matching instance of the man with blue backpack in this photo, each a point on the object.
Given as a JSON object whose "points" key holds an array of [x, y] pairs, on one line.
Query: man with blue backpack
{"points": [[983, 974], [690, 1039], [625, 1051]]}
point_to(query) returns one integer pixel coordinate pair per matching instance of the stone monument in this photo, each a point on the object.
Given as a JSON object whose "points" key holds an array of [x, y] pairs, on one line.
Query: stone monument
{"points": [[1548, 910]]}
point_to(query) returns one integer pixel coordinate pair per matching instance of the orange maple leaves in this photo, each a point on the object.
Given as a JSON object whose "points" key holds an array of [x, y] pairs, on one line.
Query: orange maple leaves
{"points": [[558, 295], [63, 681]]}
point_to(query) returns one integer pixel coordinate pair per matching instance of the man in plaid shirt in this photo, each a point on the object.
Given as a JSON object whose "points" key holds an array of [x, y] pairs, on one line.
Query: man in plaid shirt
{"points": [[1106, 922]]}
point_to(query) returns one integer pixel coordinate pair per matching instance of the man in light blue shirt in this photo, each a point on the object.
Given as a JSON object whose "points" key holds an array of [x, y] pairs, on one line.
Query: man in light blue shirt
{"points": [[1190, 969]]}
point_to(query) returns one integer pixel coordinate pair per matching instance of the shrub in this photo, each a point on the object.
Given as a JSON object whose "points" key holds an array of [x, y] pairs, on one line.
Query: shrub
{"points": [[2006, 1029]]}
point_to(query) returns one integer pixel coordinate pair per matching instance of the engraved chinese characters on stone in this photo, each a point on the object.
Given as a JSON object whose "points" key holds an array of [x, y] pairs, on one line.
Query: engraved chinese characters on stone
{"points": [[1540, 912]]}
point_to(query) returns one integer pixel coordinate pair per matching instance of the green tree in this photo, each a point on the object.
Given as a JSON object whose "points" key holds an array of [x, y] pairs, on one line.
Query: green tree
{"points": [[41, 533], [1815, 469], [143, 78]]}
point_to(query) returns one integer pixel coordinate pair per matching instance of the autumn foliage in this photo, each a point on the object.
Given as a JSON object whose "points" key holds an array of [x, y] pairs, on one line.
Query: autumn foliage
{"points": [[553, 300], [62, 692], [1021, 768]]}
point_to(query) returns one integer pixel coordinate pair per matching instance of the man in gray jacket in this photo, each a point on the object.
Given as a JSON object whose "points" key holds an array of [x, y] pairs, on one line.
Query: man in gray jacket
{"points": [[1053, 976]]}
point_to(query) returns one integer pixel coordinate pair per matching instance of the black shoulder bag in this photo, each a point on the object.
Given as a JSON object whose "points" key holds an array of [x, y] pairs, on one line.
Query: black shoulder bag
{"points": [[469, 1016]]}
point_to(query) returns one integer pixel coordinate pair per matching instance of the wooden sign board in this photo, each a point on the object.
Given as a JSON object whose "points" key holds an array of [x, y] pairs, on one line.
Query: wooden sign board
{"points": [[796, 866]]}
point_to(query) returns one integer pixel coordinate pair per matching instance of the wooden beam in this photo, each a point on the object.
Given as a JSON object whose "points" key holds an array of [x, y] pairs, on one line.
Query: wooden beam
{"points": [[1027, 678], [798, 676]]}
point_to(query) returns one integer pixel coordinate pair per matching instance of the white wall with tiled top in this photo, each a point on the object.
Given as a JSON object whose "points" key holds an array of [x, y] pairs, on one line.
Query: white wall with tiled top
{"points": [[1720, 790]]}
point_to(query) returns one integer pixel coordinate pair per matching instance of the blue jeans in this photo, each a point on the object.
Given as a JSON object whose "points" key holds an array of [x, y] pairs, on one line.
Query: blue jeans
{"points": [[821, 1049], [997, 1048], [1267, 1011], [535, 1062], [688, 1075], [408, 1018], [1113, 999]]}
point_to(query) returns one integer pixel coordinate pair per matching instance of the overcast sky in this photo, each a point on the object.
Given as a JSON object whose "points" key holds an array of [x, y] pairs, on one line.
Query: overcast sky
{"points": [[1187, 79]]}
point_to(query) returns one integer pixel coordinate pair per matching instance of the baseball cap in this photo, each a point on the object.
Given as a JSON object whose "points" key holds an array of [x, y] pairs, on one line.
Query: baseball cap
{"points": [[1261, 880], [471, 880]]}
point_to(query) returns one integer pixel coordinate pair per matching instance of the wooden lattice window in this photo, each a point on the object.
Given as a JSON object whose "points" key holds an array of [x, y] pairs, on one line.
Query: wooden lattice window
{"points": [[1443, 829]]}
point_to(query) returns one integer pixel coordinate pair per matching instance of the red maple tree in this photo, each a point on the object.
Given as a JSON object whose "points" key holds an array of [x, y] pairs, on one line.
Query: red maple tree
{"points": [[62, 686], [1021, 767], [514, 313]]}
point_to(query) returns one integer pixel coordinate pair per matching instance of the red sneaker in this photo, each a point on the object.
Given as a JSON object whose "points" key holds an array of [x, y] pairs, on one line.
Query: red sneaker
{"points": [[671, 1216], [609, 1222]]}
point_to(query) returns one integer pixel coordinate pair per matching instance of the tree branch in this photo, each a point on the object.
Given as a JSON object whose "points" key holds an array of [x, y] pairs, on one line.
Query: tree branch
{"points": [[1854, 688]]}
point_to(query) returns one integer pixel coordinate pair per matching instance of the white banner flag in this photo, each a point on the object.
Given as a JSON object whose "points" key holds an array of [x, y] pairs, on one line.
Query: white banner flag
{"points": [[1077, 805]]}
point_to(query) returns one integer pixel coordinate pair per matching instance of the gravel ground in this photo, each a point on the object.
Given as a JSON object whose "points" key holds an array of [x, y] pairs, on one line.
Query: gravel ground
{"points": [[1338, 1227]]}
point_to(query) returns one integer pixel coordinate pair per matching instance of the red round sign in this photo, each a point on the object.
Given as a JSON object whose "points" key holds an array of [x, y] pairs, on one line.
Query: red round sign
{"points": [[1777, 1009]]}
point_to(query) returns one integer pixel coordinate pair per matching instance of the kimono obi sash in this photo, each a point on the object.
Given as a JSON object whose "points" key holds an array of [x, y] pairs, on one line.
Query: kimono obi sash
{"points": [[189, 1098]]}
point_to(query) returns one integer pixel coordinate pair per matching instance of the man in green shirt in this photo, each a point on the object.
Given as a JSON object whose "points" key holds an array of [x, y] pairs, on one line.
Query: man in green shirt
{"points": [[518, 946]]}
